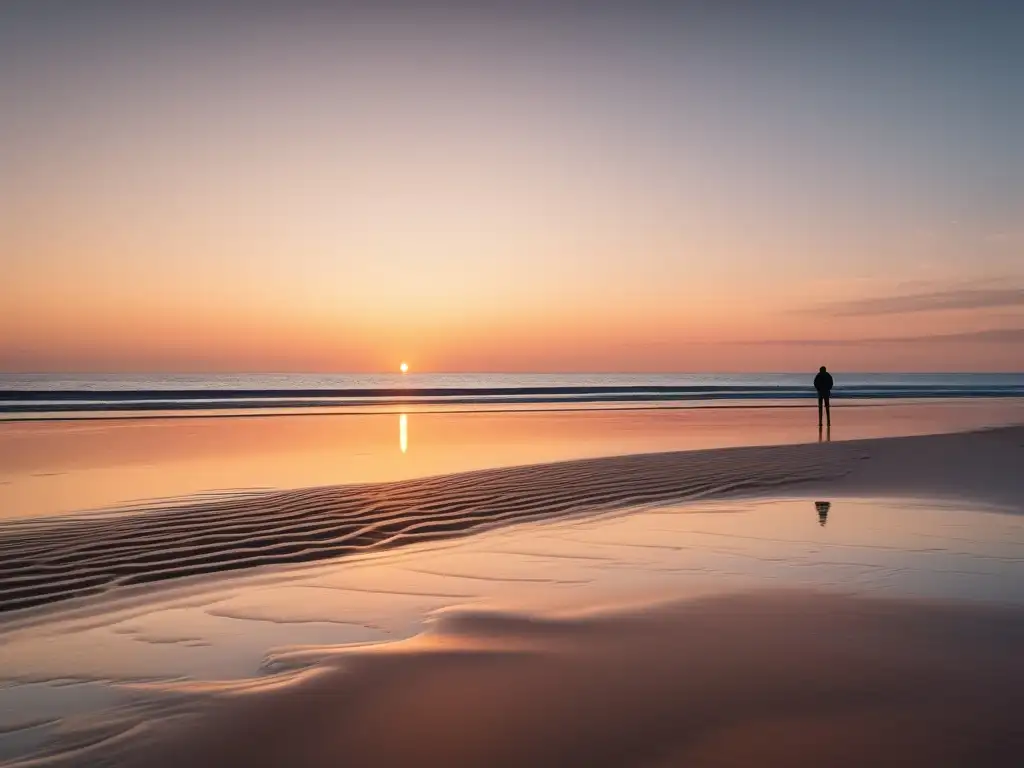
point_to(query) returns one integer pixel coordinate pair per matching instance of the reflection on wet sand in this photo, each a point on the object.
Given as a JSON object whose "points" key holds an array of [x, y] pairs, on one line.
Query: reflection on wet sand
{"points": [[829, 681], [896, 548], [548, 587], [823, 508], [403, 432]]}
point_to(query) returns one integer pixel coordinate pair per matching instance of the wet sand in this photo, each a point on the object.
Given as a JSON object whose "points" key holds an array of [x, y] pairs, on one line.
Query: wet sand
{"points": [[60, 558], [627, 675], [776, 679]]}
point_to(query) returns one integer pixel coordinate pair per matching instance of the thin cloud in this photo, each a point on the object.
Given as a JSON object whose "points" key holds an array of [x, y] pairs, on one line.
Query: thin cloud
{"points": [[993, 336], [964, 298]]}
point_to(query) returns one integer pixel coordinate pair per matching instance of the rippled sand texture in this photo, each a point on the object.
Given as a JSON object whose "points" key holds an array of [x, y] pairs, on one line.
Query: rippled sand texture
{"points": [[61, 558]]}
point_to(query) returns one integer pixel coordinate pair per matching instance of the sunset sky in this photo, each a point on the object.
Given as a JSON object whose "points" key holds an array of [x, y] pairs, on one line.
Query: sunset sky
{"points": [[727, 186]]}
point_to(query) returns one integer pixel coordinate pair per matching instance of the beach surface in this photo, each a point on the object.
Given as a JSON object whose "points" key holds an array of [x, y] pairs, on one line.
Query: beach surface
{"points": [[841, 603], [784, 679], [58, 558]]}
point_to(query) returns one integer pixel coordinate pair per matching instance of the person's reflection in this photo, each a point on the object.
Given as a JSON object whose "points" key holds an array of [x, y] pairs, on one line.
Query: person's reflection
{"points": [[823, 507], [403, 432], [827, 434]]}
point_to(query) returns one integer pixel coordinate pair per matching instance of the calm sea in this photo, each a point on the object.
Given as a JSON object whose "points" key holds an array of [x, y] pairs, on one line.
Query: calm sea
{"points": [[50, 394]]}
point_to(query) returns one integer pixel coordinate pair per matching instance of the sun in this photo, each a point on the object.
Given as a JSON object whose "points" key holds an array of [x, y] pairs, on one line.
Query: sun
{"points": [[404, 367]]}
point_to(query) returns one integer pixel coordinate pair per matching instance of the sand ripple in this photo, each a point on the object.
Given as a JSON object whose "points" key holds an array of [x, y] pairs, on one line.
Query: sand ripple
{"points": [[57, 559]]}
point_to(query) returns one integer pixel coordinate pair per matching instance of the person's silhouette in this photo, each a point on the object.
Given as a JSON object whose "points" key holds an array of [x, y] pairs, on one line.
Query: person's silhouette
{"points": [[823, 385]]}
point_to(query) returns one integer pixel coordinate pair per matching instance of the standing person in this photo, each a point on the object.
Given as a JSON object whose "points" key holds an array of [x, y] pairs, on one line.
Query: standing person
{"points": [[823, 384]]}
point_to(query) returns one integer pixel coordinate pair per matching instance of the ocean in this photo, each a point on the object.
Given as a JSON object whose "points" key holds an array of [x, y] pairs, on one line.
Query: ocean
{"points": [[47, 395]]}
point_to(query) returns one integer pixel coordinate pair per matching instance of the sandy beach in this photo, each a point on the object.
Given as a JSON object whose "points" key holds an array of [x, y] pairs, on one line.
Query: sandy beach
{"points": [[895, 644], [511, 385], [59, 559]]}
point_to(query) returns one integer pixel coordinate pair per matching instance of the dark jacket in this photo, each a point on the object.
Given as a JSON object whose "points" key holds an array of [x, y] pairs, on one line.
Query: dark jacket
{"points": [[823, 383]]}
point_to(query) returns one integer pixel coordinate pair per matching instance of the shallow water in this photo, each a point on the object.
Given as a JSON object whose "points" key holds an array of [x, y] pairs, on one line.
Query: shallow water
{"points": [[62, 467], [70, 662]]}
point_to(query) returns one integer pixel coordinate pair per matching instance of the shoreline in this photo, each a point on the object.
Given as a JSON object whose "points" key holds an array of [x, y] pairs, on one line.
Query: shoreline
{"points": [[129, 411]]}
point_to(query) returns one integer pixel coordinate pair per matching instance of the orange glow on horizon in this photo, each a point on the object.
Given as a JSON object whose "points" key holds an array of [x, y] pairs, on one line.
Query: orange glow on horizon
{"points": [[356, 189]]}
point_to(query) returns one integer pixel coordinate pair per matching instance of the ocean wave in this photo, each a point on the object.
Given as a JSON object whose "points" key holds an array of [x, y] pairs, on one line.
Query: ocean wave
{"points": [[46, 401]]}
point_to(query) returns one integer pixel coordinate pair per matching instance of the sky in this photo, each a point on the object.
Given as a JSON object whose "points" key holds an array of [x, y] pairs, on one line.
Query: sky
{"points": [[726, 186]]}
